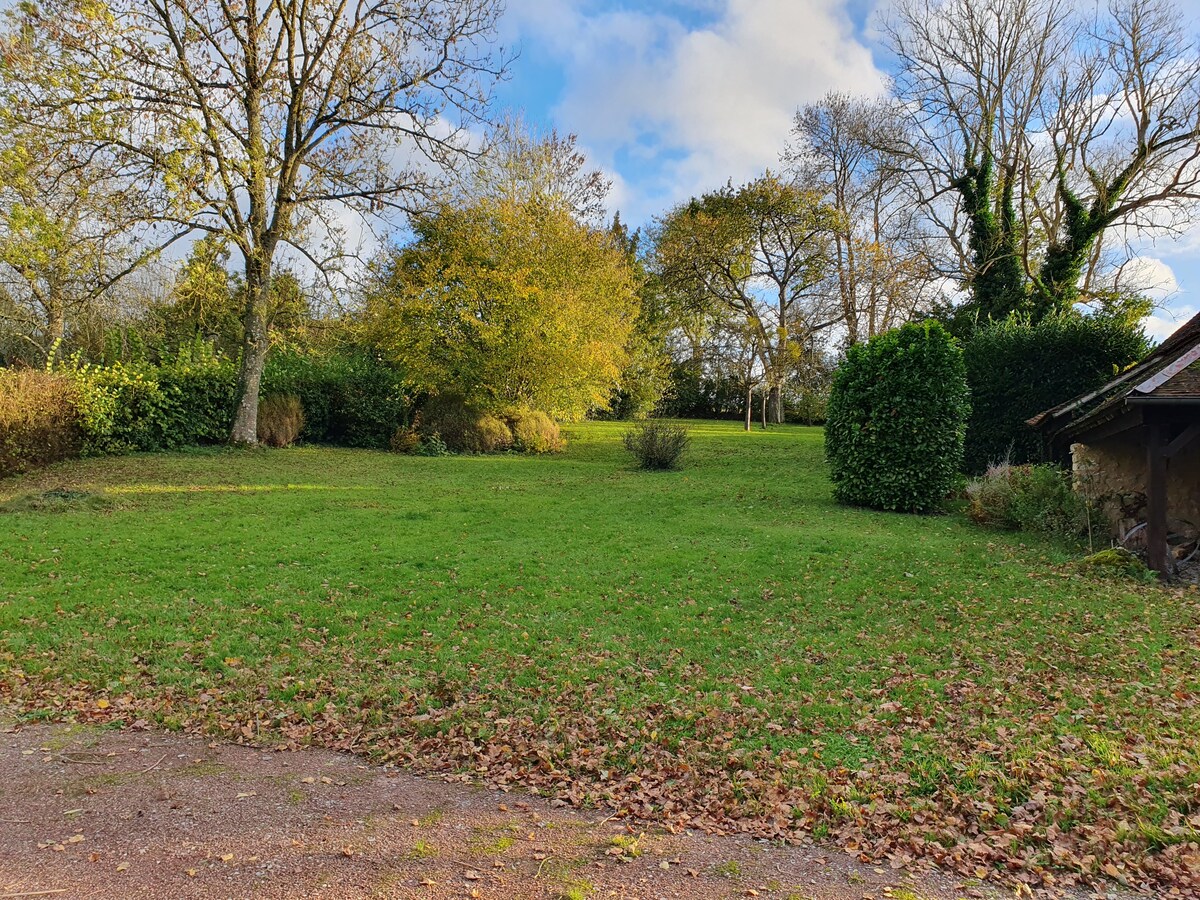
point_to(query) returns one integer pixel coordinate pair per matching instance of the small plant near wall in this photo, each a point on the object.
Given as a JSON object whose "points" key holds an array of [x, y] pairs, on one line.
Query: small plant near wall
{"points": [[1029, 498]]}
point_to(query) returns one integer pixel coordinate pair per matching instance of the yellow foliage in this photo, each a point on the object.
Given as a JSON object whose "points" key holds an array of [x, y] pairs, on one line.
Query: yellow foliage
{"points": [[509, 304]]}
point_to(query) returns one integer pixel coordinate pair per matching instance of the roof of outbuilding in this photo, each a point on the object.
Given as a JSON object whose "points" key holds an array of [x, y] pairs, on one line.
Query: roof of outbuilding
{"points": [[1170, 373]]}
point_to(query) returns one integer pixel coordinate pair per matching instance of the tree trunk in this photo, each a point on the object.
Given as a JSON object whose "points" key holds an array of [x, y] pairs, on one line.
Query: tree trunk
{"points": [[775, 405], [254, 356], [749, 403], [56, 327], [764, 410]]}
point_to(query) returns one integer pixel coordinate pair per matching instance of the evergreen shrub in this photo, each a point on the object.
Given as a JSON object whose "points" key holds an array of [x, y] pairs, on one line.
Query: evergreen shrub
{"points": [[896, 420]]}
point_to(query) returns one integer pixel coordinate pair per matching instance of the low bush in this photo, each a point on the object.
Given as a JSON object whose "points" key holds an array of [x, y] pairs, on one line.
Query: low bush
{"points": [[1030, 498], [463, 428], [39, 420], [490, 435], [896, 420], [280, 420], [406, 440], [534, 432], [657, 444]]}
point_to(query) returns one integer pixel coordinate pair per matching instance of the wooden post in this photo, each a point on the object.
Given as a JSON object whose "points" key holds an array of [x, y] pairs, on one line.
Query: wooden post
{"points": [[1156, 499]]}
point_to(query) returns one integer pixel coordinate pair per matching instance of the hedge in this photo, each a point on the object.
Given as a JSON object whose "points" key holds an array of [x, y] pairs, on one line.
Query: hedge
{"points": [[1016, 370]]}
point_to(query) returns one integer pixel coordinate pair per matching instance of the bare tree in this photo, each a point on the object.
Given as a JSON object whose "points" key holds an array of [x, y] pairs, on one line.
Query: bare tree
{"points": [[254, 119], [852, 150], [971, 79], [1039, 132], [1123, 119]]}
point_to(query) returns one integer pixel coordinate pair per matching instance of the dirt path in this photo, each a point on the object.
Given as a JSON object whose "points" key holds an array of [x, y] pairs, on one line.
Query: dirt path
{"points": [[97, 813]]}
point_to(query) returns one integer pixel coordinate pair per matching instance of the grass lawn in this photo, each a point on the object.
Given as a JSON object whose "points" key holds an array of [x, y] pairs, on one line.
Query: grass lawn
{"points": [[722, 646]]}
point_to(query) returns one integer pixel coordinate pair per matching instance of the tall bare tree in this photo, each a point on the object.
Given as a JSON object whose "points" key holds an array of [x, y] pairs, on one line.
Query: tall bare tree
{"points": [[850, 148], [256, 119]]}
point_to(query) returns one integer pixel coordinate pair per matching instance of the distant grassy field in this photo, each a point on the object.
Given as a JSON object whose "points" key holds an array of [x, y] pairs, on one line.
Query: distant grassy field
{"points": [[721, 645]]}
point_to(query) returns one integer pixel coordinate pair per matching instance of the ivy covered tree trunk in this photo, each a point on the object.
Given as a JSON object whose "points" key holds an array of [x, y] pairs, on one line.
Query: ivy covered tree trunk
{"points": [[998, 285]]}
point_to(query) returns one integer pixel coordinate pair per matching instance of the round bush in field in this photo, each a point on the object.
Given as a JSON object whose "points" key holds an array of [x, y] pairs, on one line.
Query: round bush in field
{"points": [[896, 420], [656, 444], [463, 428], [534, 432]]}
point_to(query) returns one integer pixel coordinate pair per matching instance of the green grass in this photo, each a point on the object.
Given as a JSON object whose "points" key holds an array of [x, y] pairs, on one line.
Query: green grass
{"points": [[726, 633]]}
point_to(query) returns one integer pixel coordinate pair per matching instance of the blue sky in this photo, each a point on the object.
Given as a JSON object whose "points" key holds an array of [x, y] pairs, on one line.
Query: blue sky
{"points": [[673, 98]]}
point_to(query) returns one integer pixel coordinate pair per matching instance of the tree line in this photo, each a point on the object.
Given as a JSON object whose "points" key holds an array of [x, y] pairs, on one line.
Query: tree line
{"points": [[1019, 151]]}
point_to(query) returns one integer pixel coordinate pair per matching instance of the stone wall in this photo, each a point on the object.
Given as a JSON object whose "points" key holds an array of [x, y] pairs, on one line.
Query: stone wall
{"points": [[1112, 472]]}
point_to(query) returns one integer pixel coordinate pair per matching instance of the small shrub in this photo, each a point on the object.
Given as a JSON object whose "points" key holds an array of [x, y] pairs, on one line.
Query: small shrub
{"points": [[657, 444], [39, 420], [433, 445], [406, 440], [463, 428], [896, 420], [491, 435], [280, 420], [534, 432], [1030, 498], [1117, 561]]}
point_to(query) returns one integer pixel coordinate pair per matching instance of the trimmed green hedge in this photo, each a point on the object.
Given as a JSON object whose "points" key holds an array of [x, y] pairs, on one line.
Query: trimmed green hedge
{"points": [[1016, 370], [896, 420], [348, 398]]}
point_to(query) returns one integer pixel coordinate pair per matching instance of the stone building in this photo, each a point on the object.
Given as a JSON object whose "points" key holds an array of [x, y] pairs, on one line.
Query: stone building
{"points": [[1135, 446]]}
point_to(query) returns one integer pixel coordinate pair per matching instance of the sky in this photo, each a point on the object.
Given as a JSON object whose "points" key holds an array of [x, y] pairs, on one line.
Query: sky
{"points": [[676, 97]]}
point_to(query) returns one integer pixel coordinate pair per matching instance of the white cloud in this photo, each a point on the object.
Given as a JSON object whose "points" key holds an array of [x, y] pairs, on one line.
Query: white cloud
{"points": [[1165, 322], [690, 107], [1150, 276]]}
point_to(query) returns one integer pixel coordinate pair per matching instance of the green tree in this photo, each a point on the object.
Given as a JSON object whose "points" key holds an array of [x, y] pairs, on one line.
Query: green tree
{"points": [[204, 300], [71, 227], [760, 252], [508, 304]]}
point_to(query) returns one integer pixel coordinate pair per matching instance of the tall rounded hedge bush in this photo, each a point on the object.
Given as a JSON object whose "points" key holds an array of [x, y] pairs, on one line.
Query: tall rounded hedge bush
{"points": [[896, 420]]}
